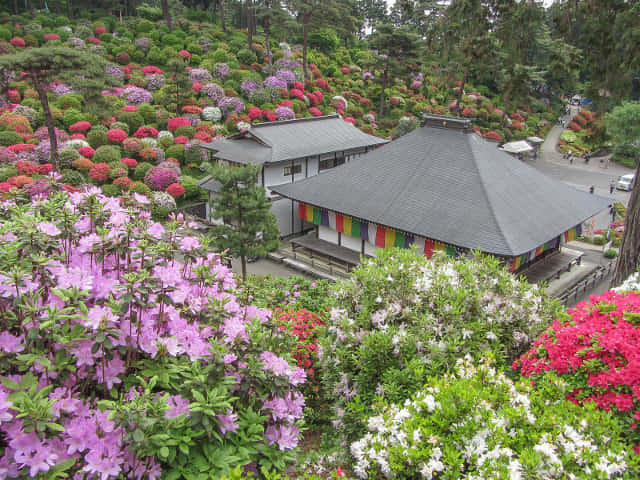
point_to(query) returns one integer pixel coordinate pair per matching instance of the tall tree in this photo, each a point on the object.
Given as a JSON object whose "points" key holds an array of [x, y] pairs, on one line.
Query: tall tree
{"points": [[179, 84], [41, 66], [166, 14], [623, 126], [220, 4], [249, 227], [397, 48], [250, 23], [269, 13], [372, 12]]}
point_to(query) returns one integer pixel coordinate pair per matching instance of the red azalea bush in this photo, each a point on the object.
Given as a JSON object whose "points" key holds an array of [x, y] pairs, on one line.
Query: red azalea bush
{"points": [[26, 168], [193, 109], [99, 31], [295, 93], [130, 108], [255, 113], [116, 135], [177, 122], [493, 135], [517, 117], [298, 86], [82, 164], [151, 70], [86, 151], [184, 54], [123, 183], [346, 71], [51, 36], [597, 351], [197, 86], [304, 326], [180, 140], [78, 136], [203, 136], [175, 190], [129, 162], [93, 40], [45, 168], [21, 147], [6, 187], [581, 120], [517, 126], [99, 172], [315, 112], [574, 126], [269, 115], [81, 127], [146, 132], [17, 42]]}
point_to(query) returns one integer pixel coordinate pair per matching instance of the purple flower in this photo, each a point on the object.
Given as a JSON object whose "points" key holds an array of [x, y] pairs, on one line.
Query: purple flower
{"points": [[48, 228], [248, 86], [367, 76], [5, 405], [188, 244], [99, 316], [112, 369], [229, 104], [200, 75], [289, 63], [178, 406], [275, 82], [228, 422], [75, 277], [143, 43], [155, 230], [154, 82], [10, 344], [114, 71], [277, 365], [285, 113], [233, 328], [137, 96], [220, 71], [159, 178], [214, 91], [286, 75], [61, 89]]}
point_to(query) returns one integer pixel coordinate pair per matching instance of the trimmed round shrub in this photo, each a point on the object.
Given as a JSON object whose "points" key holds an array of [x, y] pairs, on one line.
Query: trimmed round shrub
{"points": [[7, 171], [106, 154], [139, 187], [141, 170], [246, 56], [73, 177], [67, 156], [185, 131], [159, 178], [83, 164], [97, 138], [99, 173], [110, 190], [176, 151], [10, 138], [611, 253], [133, 119]]}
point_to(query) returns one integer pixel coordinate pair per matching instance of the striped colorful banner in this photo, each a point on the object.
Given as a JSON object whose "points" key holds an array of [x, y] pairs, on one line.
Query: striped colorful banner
{"points": [[389, 238], [317, 218], [325, 218], [380, 236], [309, 214], [339, 223], [429, 247], [364, 231], [572, 233], [302, 211], [355, 228], [400, 241], [346, 224]]}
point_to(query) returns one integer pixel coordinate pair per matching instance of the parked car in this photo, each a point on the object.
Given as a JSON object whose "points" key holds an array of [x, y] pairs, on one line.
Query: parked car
{"points": [[626, 182]]}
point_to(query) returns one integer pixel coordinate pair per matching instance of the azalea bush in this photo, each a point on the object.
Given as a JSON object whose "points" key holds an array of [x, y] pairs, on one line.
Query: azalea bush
{"points": [[476, 423], [596, 350], [124, 352], [404, 317]]}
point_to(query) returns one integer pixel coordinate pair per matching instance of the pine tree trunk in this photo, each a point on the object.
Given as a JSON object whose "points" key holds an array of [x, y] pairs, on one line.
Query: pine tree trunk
{"points": [[15, 7], [630, 248], [305, 33], [243, 261], [221, 5], [250, 24], [167, 14], [384, 86], [506, 108], [69, 9], [30, 3], [48, 119]]}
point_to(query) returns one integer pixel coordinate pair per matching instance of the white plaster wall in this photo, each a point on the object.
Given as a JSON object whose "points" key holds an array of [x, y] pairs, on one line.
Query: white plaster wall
{"points": [[282, 210], [352, 243], [370, 249], [327, 234]]}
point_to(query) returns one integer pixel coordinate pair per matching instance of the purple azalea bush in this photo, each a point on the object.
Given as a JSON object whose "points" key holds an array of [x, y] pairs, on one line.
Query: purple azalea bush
{"points": [[124, 352], [201, 75], [286, 75], [285, 113], [275, 82], [231, 104], [214, 91], [137, 95], [154, 82], [220, 71]]}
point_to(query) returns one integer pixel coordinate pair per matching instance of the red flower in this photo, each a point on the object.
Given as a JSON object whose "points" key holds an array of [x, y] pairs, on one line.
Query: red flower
{"points": [[129, 162], [17, 42], [99, 172], [6, 186], [315, 112], [70, 188], [346, 71], [130, 108], [145, 132], [286, 103], [151, 70], [78, 136], [86, 151], [177, 122], [197, 86], [51, 36], [269, 115], [255, 113], [184, 54], [99, 31], [81, 126], [339, 472], [116, 135], [45, 168], [93, 40], [181, 140], [14, 95], [175, 190]]}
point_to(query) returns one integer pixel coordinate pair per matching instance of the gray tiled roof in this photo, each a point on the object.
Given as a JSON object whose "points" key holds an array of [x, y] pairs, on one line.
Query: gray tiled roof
{"points": [[209, 183], [453, 187], [290, 139]]}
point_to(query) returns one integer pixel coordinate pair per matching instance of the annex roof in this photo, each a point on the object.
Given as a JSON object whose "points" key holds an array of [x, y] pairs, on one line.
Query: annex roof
{"points": [[453, 187], [291, 139], [519, 146]]}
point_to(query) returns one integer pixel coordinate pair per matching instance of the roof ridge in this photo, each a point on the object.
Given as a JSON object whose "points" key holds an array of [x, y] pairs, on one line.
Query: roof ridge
{"points": [[293, 120], [474, 138]]}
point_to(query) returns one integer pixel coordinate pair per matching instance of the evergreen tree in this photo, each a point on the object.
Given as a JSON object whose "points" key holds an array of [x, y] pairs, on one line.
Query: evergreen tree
{"points": [[623, 125], [270, 14], [397, 48], [179, 84], [371, 12], [41, 66], [249, 229], [166, 14]]}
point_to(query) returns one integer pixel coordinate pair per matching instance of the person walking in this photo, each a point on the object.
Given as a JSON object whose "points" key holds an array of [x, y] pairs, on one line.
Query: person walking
{"points": [[612, 185], [591, 189]]}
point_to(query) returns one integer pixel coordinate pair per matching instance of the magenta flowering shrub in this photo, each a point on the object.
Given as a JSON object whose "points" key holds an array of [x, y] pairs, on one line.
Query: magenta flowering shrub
{"points": [[159, 178], [124, 352]]}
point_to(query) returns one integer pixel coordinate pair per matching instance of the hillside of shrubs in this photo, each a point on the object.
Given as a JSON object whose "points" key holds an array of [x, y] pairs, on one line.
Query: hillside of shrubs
{"points": [[166, 93]]}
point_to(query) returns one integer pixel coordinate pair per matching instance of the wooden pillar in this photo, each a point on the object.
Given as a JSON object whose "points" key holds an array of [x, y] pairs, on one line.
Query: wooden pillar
{"points": [[317, 228], [362, 247], [339, 239]]}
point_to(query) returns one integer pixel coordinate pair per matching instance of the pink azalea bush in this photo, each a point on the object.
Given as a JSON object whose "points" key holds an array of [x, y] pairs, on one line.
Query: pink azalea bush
{"points": [[120, 360]]}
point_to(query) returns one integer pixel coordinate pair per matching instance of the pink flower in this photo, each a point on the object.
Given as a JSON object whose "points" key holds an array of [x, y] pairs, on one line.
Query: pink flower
{"points": [[228, 422], [112, 369], [178, 406], [48, 228], [99, 316]]}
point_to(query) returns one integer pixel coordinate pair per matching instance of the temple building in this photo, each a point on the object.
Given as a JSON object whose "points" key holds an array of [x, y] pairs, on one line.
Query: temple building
{"points": [[442, 187], [290, 150]]}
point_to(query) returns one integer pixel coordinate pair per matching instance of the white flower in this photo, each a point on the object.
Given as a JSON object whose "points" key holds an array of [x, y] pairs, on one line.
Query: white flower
{"points": [[491, 336]]}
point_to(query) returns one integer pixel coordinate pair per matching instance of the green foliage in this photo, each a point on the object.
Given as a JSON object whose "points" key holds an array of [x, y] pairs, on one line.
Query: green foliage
{"points": [[68, 156], [7, 171], [73, 177], [133, 119], [325, 40], [249, 229], [611, 253], [175, 151], [149, 13], [110, 190], [186, 131], [246, 56], [69, 100], [623, 126], [9, 138], [106, 154], [97, 138], [141, 170]]}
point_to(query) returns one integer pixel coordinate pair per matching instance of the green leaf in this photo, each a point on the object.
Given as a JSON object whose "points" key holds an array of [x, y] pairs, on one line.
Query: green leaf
{"points": [[164, 452], [55, 426], [138, 436], [10, 384]]}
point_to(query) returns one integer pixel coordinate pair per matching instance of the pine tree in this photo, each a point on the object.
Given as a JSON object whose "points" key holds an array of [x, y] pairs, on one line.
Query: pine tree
{"points": [[249, 228], [41, 66], [179, 83]]}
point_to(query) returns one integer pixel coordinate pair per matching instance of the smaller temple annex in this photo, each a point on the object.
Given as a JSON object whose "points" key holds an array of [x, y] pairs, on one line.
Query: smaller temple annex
{"points": [[442, 187]]}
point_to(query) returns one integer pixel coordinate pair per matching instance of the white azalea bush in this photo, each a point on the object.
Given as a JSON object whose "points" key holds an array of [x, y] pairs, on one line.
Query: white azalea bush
{"points": [[477, 424], [405, 318]]}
